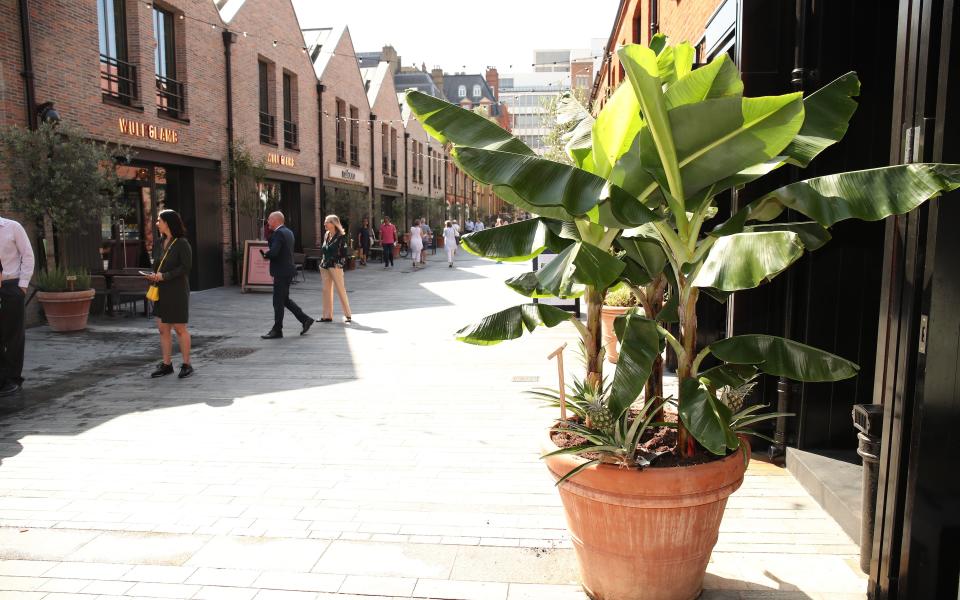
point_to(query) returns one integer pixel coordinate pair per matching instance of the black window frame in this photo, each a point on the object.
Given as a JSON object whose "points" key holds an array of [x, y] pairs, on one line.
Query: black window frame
{"points": [[291, 138], [171, 92], [268, 121], [118, 77], [341, 131]]}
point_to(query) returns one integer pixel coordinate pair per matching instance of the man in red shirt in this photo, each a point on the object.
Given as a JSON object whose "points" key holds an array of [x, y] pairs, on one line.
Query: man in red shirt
{"points": [[388, 237]]}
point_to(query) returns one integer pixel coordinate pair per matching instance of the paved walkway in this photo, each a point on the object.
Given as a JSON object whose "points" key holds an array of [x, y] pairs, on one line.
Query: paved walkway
{"points": [[376, 460]]}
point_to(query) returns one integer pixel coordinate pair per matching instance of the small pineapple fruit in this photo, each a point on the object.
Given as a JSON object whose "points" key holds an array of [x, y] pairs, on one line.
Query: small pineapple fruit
{"points": [[599, 415], [733, 397]]}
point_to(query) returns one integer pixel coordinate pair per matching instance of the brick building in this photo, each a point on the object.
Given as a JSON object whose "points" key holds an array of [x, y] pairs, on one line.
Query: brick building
{"points": [[275, 113], [423, 192], [386, 131]]}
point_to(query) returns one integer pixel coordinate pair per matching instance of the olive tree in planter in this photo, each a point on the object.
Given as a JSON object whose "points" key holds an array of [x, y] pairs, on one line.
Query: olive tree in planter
{"points": [[633, 208], [63, 182]]}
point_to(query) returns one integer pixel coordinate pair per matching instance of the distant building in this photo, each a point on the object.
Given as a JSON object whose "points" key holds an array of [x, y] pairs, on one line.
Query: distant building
{"points": [[527, 97]]}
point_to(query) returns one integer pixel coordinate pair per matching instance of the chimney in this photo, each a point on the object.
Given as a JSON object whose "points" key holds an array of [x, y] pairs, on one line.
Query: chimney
{"points": [[493, 80], [389, 54], [437, 75]]}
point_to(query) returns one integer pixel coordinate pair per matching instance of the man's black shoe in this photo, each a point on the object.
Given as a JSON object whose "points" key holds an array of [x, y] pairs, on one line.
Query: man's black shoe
{"points": [[273, 334], [307, 324], [162, 369], [185, 371], [9, 388]]}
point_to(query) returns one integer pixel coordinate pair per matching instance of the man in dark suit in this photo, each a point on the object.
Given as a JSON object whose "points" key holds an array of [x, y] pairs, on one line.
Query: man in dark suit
{"points": [[282, 269]]}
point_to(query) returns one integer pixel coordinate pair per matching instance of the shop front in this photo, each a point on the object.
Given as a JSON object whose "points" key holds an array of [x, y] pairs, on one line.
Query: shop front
{"points": [[294, 196], [346, 196]]}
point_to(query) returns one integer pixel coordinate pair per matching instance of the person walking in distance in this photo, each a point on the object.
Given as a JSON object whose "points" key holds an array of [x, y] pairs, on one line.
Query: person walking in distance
{"points": [[416, 242], [388, 237], [331, 269], [363, 240], [171, 276], [427, 239], [479, 226], [450, 242], [16, 269], [282, 269]]}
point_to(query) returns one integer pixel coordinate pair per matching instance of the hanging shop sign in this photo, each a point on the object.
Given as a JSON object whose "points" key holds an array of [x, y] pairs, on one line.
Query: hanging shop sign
{"points": [[346, 173], [275, 158], [389, 182], [153, 132]]}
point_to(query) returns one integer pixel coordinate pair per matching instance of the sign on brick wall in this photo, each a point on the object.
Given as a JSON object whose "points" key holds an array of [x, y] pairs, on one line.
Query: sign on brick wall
{"points": [[152, 132]]}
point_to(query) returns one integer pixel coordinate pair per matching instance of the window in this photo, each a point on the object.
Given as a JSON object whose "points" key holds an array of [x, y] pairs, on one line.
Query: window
{"points": [[290, 132], [268, 122], [385, 147], [170, 93], [354, 136], [420, 159], [583, 81], [476, 91], [118, 78], [393, 152], [342, 132], [462, 91]]}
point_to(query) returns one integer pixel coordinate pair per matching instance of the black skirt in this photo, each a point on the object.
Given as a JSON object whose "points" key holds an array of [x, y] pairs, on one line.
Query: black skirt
{"points": [[174, 304]]}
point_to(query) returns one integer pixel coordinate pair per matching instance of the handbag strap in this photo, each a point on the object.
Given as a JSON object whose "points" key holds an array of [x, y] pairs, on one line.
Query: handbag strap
{"points": [[160, 266]]}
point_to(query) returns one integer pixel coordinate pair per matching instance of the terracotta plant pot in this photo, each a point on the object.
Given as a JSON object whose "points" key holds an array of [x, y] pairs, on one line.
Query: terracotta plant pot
{"points": [[645, 535], [607, 316], [66, 311]]}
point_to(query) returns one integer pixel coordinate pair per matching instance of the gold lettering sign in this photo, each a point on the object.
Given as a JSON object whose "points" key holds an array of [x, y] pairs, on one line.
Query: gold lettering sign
{"points": [[275, 158], [153, 132]]}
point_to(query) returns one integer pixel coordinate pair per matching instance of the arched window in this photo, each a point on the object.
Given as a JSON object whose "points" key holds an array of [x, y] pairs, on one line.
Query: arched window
{"points": [[476, 91], [462, 91]]}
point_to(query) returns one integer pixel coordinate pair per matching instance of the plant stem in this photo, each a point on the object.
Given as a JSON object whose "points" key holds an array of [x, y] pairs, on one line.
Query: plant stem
{"points": [[688, 336], [592, 341]]}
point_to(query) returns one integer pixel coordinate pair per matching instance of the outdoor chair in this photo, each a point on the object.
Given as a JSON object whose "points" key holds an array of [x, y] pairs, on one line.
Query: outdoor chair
{"points": [[311, 258], [129, 289], [298, 259], [101, 298]]}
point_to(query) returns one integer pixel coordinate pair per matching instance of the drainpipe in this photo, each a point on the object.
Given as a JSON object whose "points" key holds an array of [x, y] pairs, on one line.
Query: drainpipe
{"points": [[654, 18], [27, 73], [784, 385], [323, 197], [229, 38], [406, 180], [373, 169]]}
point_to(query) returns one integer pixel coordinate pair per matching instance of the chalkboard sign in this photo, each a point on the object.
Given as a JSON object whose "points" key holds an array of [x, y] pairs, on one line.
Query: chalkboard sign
{"points": [[256, 269]]}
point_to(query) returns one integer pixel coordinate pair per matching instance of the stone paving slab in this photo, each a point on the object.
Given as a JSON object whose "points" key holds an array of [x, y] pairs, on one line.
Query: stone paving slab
{"points": [[376, 460]]}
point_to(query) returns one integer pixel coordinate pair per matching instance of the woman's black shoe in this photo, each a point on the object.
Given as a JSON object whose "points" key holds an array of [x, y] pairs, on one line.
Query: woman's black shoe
{"points": [[162, 369], [325, 320], [185, 371]]}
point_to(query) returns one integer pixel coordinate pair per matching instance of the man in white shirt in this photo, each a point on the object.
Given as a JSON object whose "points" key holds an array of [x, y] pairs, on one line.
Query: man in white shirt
{"points": [[479, 226], [16, 269], [468, 226]]}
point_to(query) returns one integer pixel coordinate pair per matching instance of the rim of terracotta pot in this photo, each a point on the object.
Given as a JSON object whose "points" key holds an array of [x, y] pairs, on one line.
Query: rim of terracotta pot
{"points": [[62, 296], [620, 309], [661, 487]]}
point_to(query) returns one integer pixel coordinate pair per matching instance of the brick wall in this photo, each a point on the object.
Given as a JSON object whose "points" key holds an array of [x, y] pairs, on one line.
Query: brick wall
{"points": [[387, 108]]}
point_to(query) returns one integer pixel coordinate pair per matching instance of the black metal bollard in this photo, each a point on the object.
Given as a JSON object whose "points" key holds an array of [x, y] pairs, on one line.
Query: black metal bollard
{"points": [[868, 419]]}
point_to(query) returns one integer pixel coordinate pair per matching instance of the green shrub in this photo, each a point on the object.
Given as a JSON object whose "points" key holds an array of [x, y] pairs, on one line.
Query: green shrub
{"points": [[55, 280], [620, 296]]}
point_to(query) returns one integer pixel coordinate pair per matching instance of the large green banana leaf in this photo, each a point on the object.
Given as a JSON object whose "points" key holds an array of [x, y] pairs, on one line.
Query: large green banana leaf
{"points": [[785, 358], [449, 123], [640, 344], [614, 130], [743, 261], [577, 142], [827, 116], [812, 235], [510, 324], [731, 375], [868, 195], [706, 418], [528, 285], [581, 263], [716, 79], [648, 256], [516, 242], [544, 184]]}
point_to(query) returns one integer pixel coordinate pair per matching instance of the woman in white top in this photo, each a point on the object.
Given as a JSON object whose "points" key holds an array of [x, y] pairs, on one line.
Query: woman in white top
{"points": [[450, 242], [416, 242]]}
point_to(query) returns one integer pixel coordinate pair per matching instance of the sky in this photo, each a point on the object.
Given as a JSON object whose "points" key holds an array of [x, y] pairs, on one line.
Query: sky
{"points": [[465, 36]]}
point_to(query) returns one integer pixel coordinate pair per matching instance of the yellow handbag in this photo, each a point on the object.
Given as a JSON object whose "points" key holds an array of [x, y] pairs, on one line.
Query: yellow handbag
{"points": [[153, 292]]}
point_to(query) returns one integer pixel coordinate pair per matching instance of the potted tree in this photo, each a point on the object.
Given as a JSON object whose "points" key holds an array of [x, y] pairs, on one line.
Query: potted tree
{"points": [[65, 295], [616, 302], [62, 182], [633, 207]]}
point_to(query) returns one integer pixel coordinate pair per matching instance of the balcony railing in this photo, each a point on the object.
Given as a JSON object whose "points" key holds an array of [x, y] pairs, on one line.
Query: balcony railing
{"points": [[355, 155], [171, 96], [118, 80], [341, 151], [290, 135], [268, 128]]}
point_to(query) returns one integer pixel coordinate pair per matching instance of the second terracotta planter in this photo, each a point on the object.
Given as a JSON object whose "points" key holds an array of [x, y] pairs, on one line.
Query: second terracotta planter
{"points": [[607, 316], [645, 535], [66, 311]]}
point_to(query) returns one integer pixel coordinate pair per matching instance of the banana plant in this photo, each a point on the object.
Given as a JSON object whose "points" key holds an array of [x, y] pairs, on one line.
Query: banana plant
{"points": [[634, 206]]}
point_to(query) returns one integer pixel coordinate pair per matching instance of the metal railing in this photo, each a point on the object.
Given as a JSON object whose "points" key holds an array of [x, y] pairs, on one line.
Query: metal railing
{"points": [[290, 135], [171, 96], [118, 80], [268, 128]]}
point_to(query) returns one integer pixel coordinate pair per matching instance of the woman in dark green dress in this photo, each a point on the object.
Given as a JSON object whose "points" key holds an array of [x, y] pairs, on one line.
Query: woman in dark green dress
{"points": [[171, 274]]}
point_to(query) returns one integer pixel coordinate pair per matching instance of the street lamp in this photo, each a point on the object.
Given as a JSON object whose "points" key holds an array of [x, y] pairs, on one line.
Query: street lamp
{"points": [[47, 113]]}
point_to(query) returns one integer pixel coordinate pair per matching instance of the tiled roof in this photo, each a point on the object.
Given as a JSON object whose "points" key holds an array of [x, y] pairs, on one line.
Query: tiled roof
{"points": [[419, 81]]}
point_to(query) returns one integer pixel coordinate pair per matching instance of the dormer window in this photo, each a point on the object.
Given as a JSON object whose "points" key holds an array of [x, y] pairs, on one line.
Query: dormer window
{"points": [[476, 91], [462, 91]]}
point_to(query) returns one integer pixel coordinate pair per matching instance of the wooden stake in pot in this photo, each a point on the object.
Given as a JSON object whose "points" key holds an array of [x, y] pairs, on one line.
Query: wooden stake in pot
{"points": [[558, 354]]}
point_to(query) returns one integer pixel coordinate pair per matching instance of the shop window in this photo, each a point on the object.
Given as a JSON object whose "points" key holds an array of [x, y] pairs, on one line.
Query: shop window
{"points": [[118, 76], [268, 119], [171, 95], [354, 136], [393, 152], [385, 147], [291, 137], [341, 128]]}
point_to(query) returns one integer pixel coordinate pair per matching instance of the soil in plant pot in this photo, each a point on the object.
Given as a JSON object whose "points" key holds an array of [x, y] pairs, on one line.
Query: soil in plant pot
{"points": [[658, 440]]}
